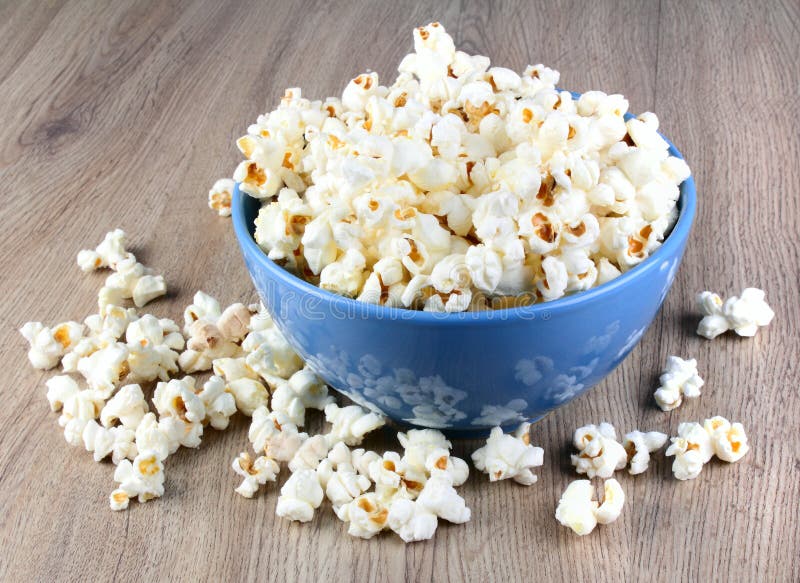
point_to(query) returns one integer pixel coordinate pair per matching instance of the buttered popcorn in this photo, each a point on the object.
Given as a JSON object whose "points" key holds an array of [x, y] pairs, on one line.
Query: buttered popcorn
{"points": [[457, 182]]}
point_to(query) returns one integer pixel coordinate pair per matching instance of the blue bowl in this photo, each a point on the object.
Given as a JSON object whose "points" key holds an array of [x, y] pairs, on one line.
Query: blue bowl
{"points": [[466, 372]]}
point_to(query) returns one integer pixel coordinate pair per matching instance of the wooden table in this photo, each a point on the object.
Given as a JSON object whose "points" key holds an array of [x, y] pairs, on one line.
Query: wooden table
{"points": [[123, 114]]}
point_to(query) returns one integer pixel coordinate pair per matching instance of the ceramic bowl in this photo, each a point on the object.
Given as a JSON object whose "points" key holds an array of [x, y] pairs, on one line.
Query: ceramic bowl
{"points": [[466, 372]]}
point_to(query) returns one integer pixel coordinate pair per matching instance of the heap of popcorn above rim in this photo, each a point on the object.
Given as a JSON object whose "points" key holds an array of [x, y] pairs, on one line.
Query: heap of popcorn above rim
{"points": [[457, 184]]}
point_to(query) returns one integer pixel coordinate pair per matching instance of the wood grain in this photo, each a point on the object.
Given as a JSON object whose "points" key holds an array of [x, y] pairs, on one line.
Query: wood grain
{"points": [[122, 114]]}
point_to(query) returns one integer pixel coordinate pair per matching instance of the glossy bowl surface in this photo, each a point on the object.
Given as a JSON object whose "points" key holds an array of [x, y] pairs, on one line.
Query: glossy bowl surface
{"points": [[466, 372]]}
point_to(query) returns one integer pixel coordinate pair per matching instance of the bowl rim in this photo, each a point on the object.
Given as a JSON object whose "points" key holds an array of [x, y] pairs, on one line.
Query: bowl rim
{"points": [[687, 204]]}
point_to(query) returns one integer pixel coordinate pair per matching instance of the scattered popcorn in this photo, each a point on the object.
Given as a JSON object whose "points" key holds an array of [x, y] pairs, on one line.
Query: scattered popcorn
{"points": [[219, 197], [692, 448], [49, 345], [300, 496], [509, 456], [366, 516], [456, 469], [152, 436], [213, 334], [309, 454], [218, 401], [126, 407], [153, 348], [350, 424], [456, 181], [440, 498], [254, 473], [577, 508], [275, 435], [303, 390], [131, 280], [108, 253], [60, 389], [418, 444], [142, 478], [344, 485], [411, 521], [727, 439], [117, 441], [105, 368], [182, 411], [613, 500], [639, 447], [743, 314], [600, 454], [680, 379]]}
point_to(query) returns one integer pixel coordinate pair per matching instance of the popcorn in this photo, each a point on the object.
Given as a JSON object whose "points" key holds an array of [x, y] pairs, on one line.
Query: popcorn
{"points": [[49, 345], [366, 516], [152, 436], [344, 485], [153, 347], [458, 178], [132, 280], [218, 402], [579, 511], [440, 498], [692, 448], [127, 407], [118, 441], [600, 454], [254, 473], [743, 314], [613, 501], [728, 440], [680, 379], [303, 389], [274, 434], [182, 411], [219, 197], [142, 478], [300, 496], [440, 460], [60, 389], [639, 446], [350, 424], [411, 520], [108, 253], [309, 454], [418, 445], [105, 368], [509, 456]]}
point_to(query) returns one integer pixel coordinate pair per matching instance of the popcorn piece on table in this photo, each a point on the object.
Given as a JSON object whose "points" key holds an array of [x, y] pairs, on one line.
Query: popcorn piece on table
{"points": [[108, 253], [440, 498], [509, 456], [639, 446], [309, 454], [300, 496], [275, 435], [242, 382], [578, 509], [303, 390], [600, 454], [255, 473], [182, 411], [132, 280], [680, 379], [102, 441], [692, 449], [344, 485], [154, 436], [219, 402], [440, 460], [126, 407], [418, 444], [395, 479], [350, 424], [743, 314], [49, 345], [219, 197], [366, 516], [103, 369], [142, 478], [213, 334], [728, 440], [411, 521], [153, 348]]}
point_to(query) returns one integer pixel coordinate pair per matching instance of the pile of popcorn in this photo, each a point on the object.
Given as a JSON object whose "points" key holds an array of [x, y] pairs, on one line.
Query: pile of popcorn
{"points": [[116, 357], [458, 183]]}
